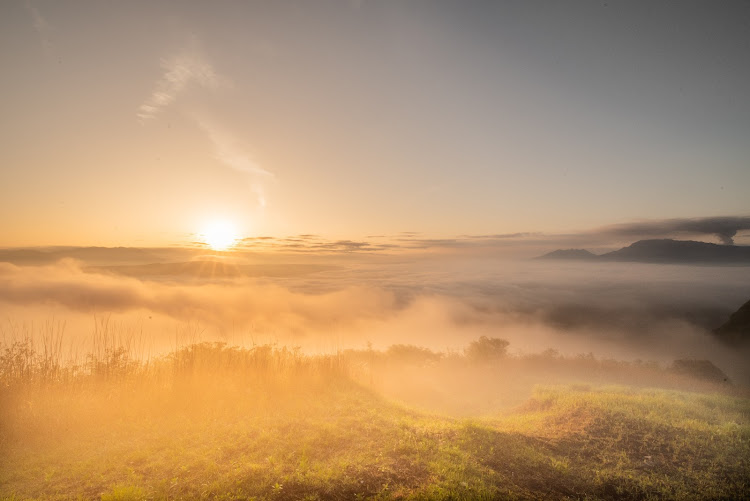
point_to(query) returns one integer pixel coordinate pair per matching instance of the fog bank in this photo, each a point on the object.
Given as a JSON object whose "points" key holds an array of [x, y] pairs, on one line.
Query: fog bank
{"points": [[621, 310]]}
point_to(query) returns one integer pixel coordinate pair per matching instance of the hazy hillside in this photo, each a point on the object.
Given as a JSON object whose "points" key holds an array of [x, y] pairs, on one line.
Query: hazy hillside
{"points": [[210, 421], [737, 329], [679, 251]]}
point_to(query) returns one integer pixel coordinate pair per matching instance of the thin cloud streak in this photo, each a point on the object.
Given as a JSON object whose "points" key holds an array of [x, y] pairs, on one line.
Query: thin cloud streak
{"points": [[519, 245], [179, 71], [231, 152], [228, 149], [41, 25], [182, 70]]}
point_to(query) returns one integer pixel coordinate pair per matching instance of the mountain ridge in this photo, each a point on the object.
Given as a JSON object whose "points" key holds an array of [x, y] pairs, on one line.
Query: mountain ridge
{"points": [[661, 251]]}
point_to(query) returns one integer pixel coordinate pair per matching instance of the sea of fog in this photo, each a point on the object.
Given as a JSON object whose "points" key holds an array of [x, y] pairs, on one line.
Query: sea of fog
{"points": [[613, 310]]}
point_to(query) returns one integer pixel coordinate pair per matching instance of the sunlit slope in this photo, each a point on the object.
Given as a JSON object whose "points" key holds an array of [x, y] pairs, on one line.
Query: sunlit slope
{"points": [[216, 423]]}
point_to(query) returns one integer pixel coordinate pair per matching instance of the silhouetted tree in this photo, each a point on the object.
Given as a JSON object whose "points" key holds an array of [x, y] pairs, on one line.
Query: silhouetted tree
{"points": [[487, 349]]}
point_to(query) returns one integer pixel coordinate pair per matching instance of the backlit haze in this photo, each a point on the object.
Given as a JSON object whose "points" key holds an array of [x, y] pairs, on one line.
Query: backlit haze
{"points": [[336, 173], [131, 123]]}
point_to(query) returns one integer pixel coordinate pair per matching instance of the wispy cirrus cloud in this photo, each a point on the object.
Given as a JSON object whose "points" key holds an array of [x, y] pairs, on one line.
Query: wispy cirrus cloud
{"points": [[180, 71], [229, 149], [191, 67], [41, 25], [233, 153]]}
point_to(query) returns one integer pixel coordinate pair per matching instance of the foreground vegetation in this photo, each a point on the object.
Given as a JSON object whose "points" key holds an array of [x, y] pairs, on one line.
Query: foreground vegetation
{"points": [[216, 422]]}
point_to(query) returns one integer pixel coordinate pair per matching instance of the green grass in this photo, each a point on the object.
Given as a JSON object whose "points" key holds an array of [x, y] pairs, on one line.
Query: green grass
{"points": [[212, 422]]}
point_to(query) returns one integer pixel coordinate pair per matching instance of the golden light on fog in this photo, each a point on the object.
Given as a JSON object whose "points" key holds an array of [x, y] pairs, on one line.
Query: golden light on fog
{"points": [[219, 235]]}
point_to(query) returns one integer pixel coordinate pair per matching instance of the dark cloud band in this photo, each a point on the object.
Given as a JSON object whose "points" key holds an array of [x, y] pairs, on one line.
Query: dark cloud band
{"points": [[725, 227]]}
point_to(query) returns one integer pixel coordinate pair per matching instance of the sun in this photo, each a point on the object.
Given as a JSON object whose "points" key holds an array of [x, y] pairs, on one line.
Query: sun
{"points": [[219, 235]]}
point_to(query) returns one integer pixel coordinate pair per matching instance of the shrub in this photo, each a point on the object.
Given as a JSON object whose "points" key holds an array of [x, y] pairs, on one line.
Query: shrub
{"points": [[485, 350], [413, 355], [700, 369]]}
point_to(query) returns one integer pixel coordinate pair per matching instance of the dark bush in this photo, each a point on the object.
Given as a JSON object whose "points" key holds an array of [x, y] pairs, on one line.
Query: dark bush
{"points": [[700, 369], [410, 354], [487, 349]]}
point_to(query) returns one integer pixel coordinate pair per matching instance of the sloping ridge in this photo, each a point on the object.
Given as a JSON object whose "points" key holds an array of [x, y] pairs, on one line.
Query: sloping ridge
{"points": [[575, 254], [662, 251], [736, 330], [679, 251]]}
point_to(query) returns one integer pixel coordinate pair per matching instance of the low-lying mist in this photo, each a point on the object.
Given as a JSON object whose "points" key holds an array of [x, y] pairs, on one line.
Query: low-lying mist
{"points": [[615, 310]]}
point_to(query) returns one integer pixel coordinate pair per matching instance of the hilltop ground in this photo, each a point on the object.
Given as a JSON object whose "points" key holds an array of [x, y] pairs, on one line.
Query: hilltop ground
{"points": [[213, 422]]}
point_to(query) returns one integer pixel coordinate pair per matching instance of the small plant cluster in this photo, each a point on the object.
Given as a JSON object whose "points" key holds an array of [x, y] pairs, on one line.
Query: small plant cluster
{"points": [[26, 363], [490, 355]]}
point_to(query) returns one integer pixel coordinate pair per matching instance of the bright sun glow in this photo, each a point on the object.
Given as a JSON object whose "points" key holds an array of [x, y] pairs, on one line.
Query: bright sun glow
{"points": [[219, 235]]}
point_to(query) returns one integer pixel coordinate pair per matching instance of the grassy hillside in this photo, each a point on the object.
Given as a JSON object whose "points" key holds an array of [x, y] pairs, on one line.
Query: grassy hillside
{"points": [[213, 422]]}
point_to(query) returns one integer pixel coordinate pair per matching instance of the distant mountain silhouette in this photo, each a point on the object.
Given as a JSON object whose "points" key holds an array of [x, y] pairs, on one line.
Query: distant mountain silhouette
{"points": [[573, 254], [663, 251], [736, 330], [90, 255], [26, 256], [679, 251]]}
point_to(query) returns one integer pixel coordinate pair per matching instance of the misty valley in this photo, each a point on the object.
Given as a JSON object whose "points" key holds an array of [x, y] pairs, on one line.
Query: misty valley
{"points": [[186, 374]]}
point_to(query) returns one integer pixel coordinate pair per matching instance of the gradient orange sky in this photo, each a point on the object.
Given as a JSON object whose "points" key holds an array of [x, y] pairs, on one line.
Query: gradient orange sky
{"points": [[134, 123]]}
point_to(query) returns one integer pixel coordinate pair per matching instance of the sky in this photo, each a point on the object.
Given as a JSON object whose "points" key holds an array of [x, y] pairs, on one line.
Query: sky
{"points": [[137, 123]]}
